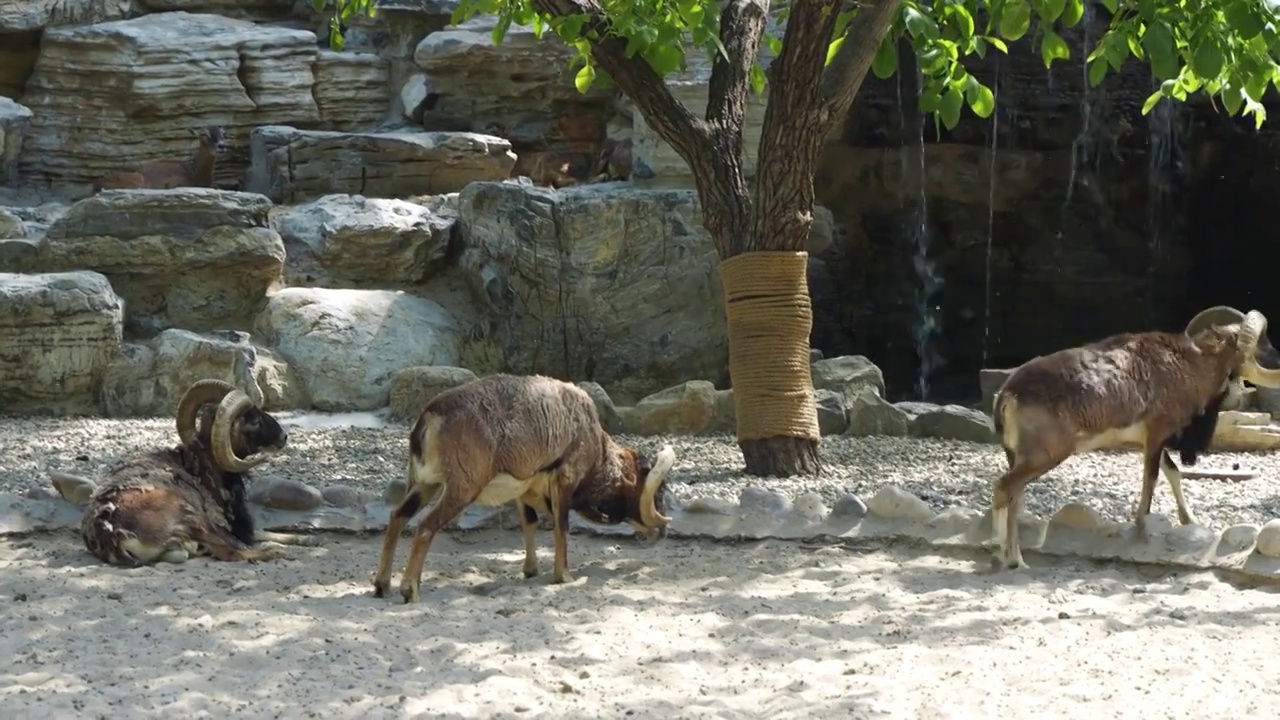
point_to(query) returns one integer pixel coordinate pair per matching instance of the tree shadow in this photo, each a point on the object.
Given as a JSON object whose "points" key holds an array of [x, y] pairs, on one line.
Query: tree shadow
{"points": [[674, 628]]}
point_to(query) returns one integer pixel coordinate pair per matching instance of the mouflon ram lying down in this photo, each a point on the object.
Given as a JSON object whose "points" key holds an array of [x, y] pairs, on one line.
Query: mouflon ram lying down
{"points": [[170, 504], [532, 439], [1157, 390]]}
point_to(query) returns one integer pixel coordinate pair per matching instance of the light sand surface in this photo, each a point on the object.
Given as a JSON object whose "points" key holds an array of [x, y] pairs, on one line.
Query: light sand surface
{"points": [[680, 628]]}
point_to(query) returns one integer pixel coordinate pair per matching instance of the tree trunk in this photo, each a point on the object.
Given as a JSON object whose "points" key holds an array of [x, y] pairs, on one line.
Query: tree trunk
{"points": [[760, 233]]}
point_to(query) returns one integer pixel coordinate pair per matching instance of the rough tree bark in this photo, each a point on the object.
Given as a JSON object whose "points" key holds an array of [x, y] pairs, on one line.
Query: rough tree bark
{"points": [[805, 103]]}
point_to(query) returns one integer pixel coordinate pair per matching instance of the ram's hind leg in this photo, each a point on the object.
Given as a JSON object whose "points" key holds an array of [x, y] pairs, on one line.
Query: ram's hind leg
{"points": [[450, 505], [529, 528], [1006, 503], [408, 507], [560, 505], [222, 545], [1174, 476]]}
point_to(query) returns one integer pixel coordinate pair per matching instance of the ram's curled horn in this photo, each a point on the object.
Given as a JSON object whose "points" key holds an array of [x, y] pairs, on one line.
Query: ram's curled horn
{"points": [[201, 393], [648, 498], [1216, 315], [1252, 330], [233, 406]]}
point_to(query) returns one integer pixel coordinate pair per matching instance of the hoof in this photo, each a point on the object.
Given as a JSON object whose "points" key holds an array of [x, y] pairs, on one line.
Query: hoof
{"points": [[562, 579], [530, 572], [380, 588], [410, 594]]}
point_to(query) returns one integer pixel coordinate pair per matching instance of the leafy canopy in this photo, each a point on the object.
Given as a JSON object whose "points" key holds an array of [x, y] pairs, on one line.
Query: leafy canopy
{"points": [[1227, 49]]}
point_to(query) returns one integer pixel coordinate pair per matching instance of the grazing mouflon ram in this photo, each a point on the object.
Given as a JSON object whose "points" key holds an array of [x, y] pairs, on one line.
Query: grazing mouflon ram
{"points": [[532, 439], [170, 504], [1158, 390]]}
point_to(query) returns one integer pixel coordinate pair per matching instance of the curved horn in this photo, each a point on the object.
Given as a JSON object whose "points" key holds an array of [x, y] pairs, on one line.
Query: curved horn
{"points": [[1216, 315], [649, 514], [1252, 330], [201, 392], [234, 405]]}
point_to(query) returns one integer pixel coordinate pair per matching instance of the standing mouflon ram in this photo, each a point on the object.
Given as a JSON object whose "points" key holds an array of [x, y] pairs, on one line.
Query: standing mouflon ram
{"points": [[1158, 390], [170, 504], [532, 439]]}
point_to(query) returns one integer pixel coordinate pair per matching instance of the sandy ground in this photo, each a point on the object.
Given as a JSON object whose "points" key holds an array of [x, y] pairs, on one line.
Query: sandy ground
{"points": [[682, 628]]}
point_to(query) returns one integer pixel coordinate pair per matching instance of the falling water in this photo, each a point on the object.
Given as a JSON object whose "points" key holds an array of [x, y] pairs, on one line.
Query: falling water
{"points": [[927, 323], [1082, 146], [991, 212], [1162, 162]]}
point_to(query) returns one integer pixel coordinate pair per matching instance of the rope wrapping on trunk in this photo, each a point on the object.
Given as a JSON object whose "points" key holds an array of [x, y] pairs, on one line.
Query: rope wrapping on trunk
{"points": [[769, 315]]}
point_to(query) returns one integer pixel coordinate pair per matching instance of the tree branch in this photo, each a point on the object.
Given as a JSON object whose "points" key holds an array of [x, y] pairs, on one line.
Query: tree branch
{"points": [[843, 77], [741, 26], [794, 129], [668, 117]]}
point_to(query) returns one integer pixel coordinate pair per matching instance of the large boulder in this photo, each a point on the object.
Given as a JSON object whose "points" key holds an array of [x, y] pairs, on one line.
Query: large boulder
{"points": [[240, 9], [291, 165], [145, 81], [523, 86], [364, 241], [14, 122], [58, 334], [31, 15], [150, 378], [346, 345], [352, 89], [600, 282], [195, 258]]}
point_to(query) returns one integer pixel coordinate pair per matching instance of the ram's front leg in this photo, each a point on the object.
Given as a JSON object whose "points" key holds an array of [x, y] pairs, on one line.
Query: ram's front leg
{"points": [[529, 527], [560, 502]]}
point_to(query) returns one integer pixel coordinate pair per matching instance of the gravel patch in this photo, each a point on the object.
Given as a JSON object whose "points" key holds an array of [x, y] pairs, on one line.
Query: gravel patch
{"points": [[944, 473]]}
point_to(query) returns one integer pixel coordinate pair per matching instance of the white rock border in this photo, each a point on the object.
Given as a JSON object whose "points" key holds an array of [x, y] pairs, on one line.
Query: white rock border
{"points": [[1074, 530]]}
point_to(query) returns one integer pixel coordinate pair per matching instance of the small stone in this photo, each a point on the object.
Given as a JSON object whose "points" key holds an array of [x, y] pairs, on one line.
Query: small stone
{"points": [[1268, 542], [1139, 589], [395, 492], [1077, 516], [849, 506], [1190, 538], [1178, 614], [1237, 538], [343, 496], [41, 493], [73, 488], [809, 506], [1063, 615], [758, 498], [956, 520], [892, 501], [115, 595], [286, 494], [710, 506]]}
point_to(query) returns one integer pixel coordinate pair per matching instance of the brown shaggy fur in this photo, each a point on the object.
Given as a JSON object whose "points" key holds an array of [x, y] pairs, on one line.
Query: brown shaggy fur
{"points": [[531, 439]]}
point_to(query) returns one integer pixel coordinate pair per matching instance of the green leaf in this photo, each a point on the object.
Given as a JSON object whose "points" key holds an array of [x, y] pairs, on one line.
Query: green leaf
{"points": [[1158, 42], [997, 43], [1015, 20], [665, 58], [1072, 13], [757, 79], [949, 108], [500, 29], [963, 19], [1152, 99], [834, 48], [885, 63], [1207, 59], [1242, 16], [1110, 5], [1097, 71], [983, 102], [919, 24], [1053, 47], [582, 81], [1232, 99], [1051, 10]]}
